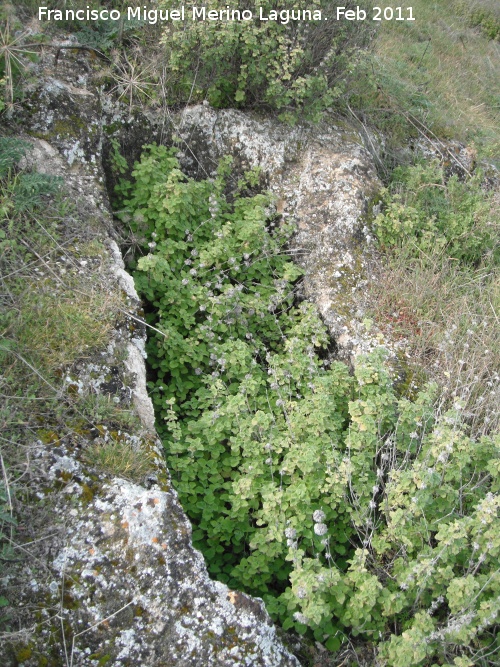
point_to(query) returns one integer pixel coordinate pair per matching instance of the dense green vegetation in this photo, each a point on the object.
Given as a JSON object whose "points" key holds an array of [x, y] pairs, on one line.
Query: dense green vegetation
{"points": [[361, 514], [296, 67], [439, 215], [352, 511]]}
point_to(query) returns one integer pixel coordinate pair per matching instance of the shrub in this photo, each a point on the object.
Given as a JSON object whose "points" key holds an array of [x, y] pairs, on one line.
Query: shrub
{"points": [[291, 67], [483, 14], [439, 215], [351, 511]]}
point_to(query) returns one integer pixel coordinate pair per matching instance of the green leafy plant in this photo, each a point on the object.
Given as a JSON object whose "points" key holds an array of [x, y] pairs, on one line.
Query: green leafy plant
{"points": [[118, 163], [353, 512], [22, 191], [11, 151], [439, 214], [294, 67], [99, 35], [16, 51], [104, 36]]}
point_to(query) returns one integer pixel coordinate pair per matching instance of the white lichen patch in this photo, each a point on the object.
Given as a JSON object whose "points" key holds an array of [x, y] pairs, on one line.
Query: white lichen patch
{"points": [[124, 279], [131, 559], [142, 402]]}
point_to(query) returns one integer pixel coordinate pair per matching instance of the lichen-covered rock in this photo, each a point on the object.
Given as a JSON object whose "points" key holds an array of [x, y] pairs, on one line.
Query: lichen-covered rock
{"points": [[140, 592], [110, 575]]}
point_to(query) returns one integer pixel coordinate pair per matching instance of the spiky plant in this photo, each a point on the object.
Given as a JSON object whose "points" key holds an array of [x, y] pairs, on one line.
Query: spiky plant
{"points": [[133, 80], [13, 51]]}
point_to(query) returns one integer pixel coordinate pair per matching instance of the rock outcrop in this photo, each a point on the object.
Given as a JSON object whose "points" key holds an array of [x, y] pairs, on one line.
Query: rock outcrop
{"points": [[110, 574]]}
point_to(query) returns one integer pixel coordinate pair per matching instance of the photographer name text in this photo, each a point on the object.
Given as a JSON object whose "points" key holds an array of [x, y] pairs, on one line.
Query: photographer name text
{"points": [[202, 13]]}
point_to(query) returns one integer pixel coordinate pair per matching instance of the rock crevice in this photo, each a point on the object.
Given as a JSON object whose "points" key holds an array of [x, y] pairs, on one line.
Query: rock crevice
{"points": [[125, 585]]}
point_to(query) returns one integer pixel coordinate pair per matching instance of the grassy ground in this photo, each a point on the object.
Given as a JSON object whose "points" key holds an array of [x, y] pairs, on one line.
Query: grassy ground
{"points": [[449, 316], [443, 70]]}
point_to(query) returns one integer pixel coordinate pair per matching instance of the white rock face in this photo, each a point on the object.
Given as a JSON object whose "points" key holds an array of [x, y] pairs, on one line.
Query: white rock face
{"points": [[135, 365], [145, 595]]}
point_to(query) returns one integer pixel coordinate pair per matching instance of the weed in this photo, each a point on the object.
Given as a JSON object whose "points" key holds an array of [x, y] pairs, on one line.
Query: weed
{"points": [[118, 457], [436, 214], [133, 80], [296, 67], [16, 52]]}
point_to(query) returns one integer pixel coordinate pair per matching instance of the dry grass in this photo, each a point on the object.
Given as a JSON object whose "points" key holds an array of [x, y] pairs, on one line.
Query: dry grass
{"points": [[445, 71], [55, 327], [449, 317]]}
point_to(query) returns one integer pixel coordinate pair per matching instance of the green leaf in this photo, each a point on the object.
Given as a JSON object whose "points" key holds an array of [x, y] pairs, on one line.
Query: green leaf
{"points": [[333, 644]]}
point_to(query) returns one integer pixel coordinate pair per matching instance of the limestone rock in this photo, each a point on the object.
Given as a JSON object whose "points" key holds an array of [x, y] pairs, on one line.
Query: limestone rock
{"points": [[141, 592]]}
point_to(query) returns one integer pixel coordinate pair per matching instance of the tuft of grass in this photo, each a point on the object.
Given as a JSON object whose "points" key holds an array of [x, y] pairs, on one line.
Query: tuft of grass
{"points": [[52, 312], [54, 326], [101, 409], [119, 458]]}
